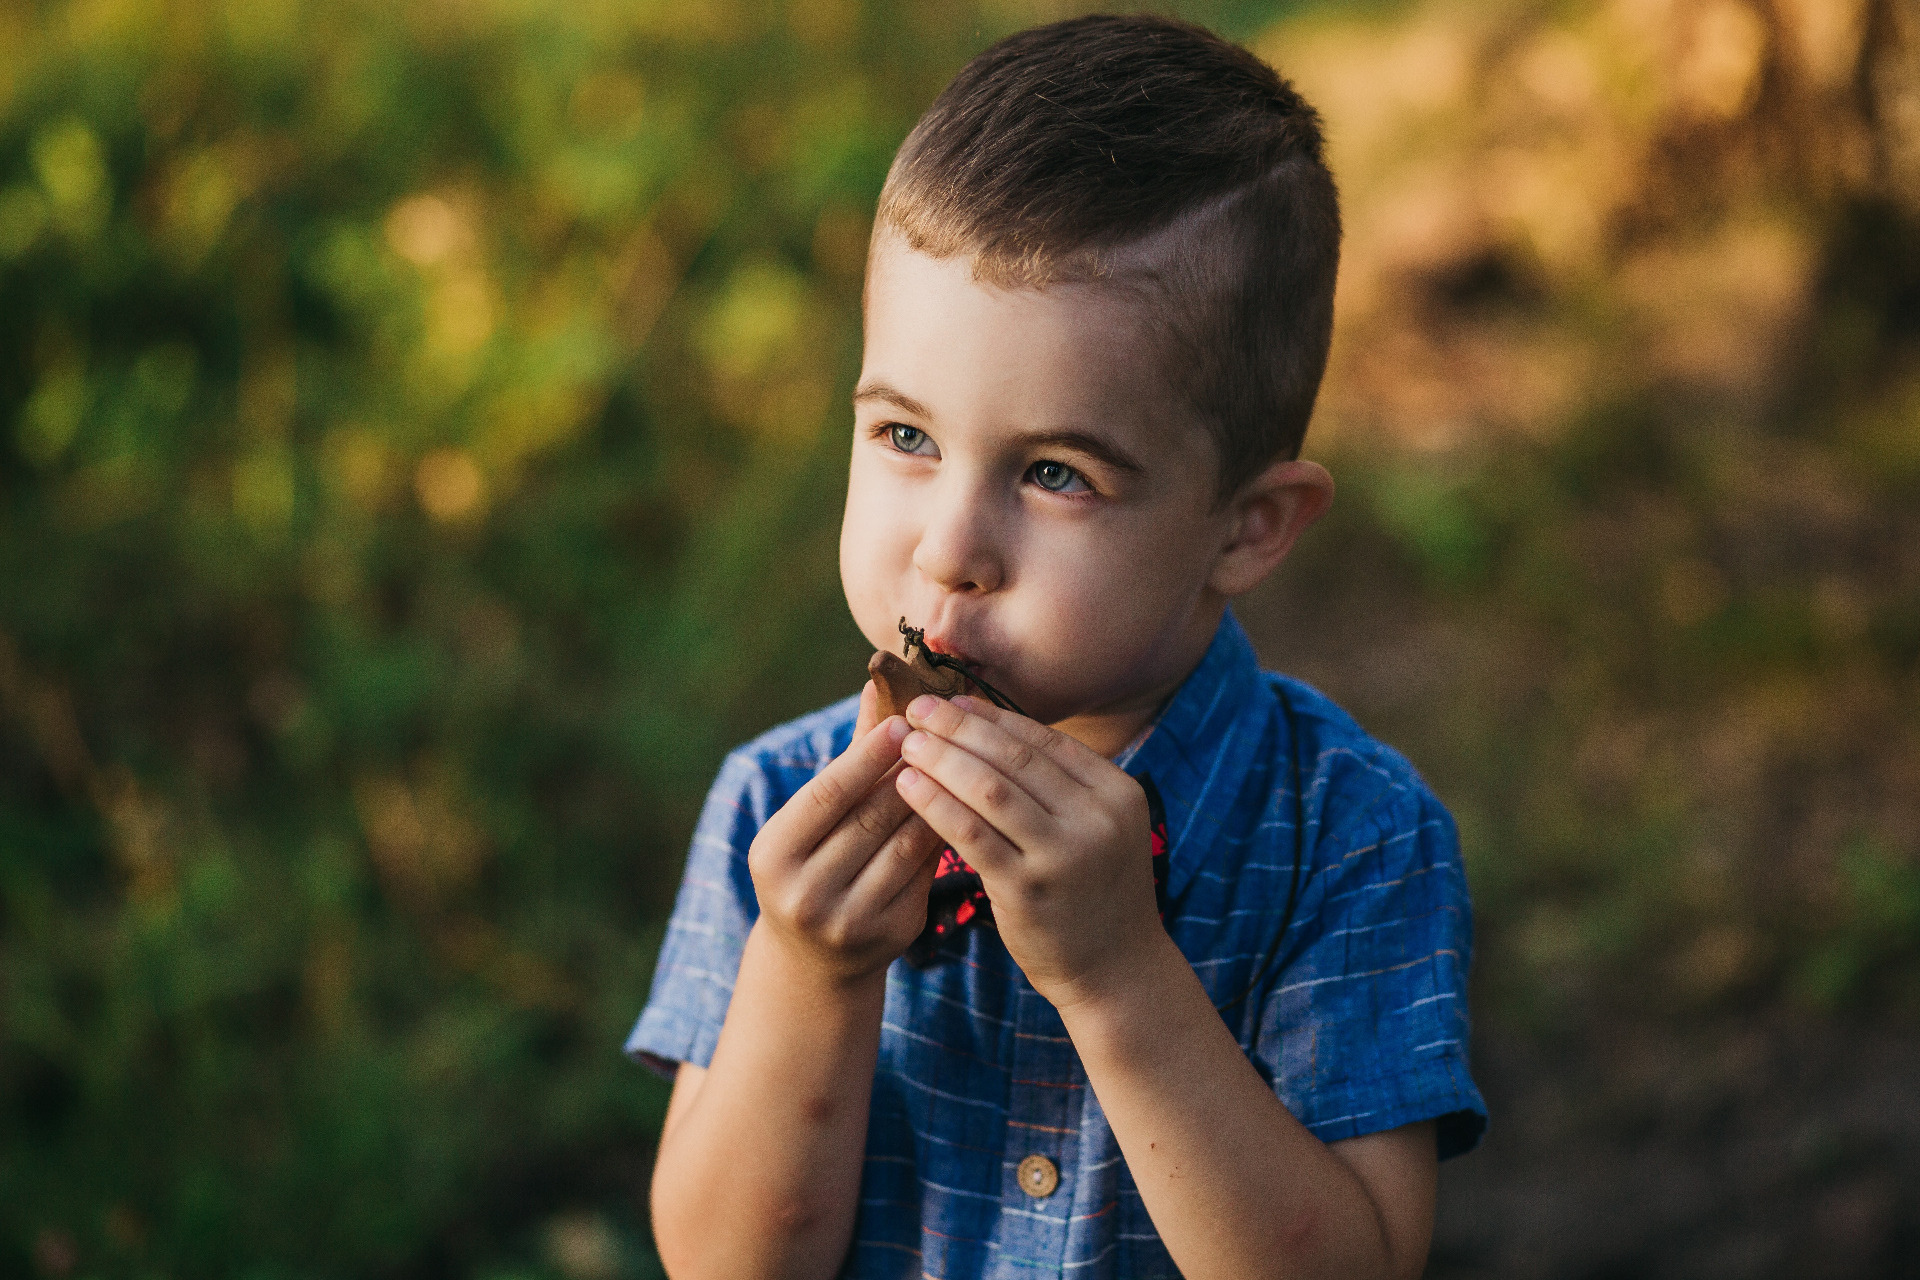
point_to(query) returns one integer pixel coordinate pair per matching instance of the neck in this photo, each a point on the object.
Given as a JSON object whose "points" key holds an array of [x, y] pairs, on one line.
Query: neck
{"points": [[1109, 732]]}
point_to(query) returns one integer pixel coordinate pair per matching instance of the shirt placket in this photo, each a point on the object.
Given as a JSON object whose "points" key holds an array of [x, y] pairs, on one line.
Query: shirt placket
{"points": [[1043, 1142]]}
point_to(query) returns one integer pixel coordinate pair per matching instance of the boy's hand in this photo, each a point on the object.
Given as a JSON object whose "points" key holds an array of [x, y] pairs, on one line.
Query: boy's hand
{"points": [[843, 869], [1057, 833]]}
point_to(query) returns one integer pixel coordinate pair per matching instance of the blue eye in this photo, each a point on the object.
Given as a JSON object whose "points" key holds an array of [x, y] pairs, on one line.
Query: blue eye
{"points": [[1057, 477], [908, 439]]}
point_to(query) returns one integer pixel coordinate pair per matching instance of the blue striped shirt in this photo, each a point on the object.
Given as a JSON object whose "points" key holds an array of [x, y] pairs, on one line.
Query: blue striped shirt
{"points": [[1352, 1005]]}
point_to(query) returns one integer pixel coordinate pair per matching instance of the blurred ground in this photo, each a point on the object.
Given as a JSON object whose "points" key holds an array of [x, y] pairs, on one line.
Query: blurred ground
{"points": [[421, 431], [1756, 1146]]}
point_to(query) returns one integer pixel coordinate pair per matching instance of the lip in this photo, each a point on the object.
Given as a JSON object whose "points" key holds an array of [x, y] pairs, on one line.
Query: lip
{"points": [[948, 645], [955, 633], [947, 649], [997, 688]]}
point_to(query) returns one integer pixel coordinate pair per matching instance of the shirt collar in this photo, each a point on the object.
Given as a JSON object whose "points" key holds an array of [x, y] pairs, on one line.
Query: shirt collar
{"points": [[1202, 745]]}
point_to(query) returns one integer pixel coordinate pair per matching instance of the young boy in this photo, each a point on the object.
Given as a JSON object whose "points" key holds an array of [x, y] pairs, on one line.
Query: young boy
{"points": [[1191, 996]]}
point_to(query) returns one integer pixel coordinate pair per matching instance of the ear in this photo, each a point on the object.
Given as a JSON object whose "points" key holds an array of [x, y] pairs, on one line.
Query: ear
{"points": [[1265, 516]]}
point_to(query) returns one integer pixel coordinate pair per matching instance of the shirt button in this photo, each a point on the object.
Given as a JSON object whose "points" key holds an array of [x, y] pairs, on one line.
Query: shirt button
{"points": [[1038, 1176]]}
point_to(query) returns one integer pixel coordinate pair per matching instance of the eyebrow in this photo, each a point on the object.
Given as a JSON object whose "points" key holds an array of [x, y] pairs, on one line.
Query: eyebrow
{"points": [[1085, 442], [1091, 445], [888, 395]]}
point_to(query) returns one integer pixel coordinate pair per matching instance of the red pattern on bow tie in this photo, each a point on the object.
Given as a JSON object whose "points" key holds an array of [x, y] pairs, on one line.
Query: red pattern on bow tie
{"points": [[958, 900]]}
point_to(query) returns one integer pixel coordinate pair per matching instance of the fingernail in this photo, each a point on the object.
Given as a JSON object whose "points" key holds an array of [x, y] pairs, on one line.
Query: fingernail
{"points": [[909, 780], [923, 706], [897, 729], [915, 740]]}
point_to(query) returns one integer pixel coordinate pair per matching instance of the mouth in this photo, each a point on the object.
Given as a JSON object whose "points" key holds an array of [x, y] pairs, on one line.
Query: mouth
{"points": [[936, 644], [939, 654], [947, 649]]}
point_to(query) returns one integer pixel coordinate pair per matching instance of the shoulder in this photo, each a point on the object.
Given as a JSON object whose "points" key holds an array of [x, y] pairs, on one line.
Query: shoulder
{"points": [[1377, 841], [754, 781], [1365, 1028], [761, 774], [806, 744], [1351, 782], [716, 906]]}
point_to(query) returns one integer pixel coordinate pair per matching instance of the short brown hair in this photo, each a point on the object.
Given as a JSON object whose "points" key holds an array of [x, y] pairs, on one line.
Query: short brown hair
{"points": [[1060, 148]]}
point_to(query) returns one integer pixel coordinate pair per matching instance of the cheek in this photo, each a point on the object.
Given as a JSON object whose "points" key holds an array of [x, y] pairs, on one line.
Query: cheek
{"points": [[875, 546], [1121, 571], [1103, 602]]}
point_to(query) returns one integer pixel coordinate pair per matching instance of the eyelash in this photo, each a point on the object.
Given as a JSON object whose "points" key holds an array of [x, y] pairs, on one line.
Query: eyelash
{"points": [[890, 432]]}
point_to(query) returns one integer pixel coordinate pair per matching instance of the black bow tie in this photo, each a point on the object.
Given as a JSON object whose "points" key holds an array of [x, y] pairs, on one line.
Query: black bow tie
{"points": [[958, 901]]}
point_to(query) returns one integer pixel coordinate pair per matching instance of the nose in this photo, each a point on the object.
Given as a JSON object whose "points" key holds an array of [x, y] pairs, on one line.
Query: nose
{"points": [[959, 548]]}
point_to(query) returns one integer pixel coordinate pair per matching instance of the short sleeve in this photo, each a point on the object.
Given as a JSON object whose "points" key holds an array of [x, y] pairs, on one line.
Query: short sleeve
{"points": [[1365, 1026], [700, 955]]}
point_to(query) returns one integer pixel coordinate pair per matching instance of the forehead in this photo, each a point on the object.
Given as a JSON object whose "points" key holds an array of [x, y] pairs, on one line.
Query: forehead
{"points": [[1070, 355]]}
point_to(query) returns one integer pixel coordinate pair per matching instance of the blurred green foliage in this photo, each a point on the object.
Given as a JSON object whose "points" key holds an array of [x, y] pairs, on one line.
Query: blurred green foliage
{"points": [[421, 433], [420, 458], [415, 478]]}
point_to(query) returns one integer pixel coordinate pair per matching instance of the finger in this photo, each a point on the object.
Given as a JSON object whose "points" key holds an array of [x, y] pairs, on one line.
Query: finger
{"points": [[840, 856], [918, 889], [895, 866], [972, 836], [800, 824], [922, 883], [869, 710], [1029, 767], [980, 786], [1074, 757]]}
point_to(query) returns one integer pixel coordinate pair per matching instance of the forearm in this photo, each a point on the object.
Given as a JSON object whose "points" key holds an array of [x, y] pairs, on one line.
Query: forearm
{"points": [[759, 1175], [1236, 1187]]}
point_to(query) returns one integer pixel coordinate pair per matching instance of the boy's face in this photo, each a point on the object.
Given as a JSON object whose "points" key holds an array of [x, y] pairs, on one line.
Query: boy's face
{"points": [[1027, 489]]}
